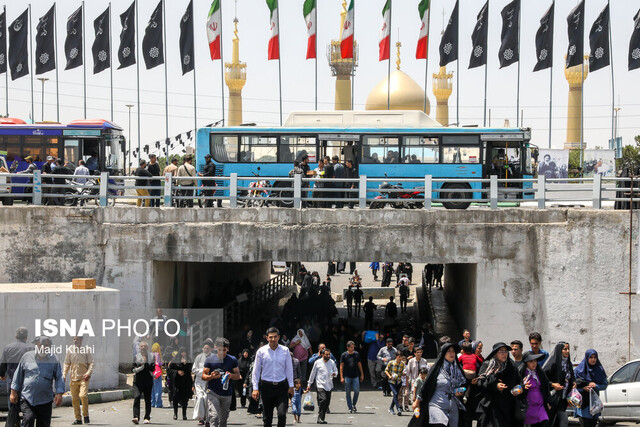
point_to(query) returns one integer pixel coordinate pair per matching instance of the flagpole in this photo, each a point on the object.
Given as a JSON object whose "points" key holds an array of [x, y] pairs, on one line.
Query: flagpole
{"points": [[315, 48], [426, 59], [353, 57], [389, 64], [84, 61], [518, 89], [221, 64], [280, 63], [195, 96], [166, 84], [33, 117], [55, 53], [6, 74], [613, 92], [458, 65], [486, 66], [137, 74], [110, 62], [551, 77], [582, 118]]}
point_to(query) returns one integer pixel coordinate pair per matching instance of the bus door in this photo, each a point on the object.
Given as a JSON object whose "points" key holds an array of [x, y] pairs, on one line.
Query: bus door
{"points": [[504, 159], [346, 147]]}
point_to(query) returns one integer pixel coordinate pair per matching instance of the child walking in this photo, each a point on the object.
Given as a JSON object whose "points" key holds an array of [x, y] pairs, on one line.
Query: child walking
{"points": [[296, 400]]}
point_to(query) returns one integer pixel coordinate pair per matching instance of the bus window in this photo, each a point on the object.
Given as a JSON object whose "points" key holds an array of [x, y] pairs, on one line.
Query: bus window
{"points": [[418, 149], [294, 147], [380, 149], [72, 150], [513, 160], [461, 155], [528, 161], [10, 144], [258, 149], [114, 157], [224, 148]]}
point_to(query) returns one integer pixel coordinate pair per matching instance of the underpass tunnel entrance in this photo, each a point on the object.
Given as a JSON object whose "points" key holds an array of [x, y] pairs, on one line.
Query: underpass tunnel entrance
{"points": [[460, 296], [205, 284]]}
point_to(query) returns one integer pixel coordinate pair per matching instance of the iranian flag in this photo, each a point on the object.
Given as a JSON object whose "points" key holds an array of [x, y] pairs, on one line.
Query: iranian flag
{"points": [[346, 44], [385, 32], [214, 27], [423, 40], [274, 41], [309, 12]]}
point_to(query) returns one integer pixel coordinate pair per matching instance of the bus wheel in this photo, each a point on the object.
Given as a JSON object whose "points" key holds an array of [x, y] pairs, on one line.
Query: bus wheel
{"points": [[453, 196]]}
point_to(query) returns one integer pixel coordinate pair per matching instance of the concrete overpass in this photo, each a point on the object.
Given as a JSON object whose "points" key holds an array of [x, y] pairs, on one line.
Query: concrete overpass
{"points": [[509, 271]]}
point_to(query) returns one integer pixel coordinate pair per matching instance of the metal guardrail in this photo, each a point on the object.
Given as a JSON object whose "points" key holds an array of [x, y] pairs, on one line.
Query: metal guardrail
{"points": [[241, 309], [299, 192]]}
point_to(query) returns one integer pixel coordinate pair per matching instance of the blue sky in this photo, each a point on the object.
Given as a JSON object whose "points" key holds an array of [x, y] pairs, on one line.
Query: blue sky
{"points": [[261, 90]]}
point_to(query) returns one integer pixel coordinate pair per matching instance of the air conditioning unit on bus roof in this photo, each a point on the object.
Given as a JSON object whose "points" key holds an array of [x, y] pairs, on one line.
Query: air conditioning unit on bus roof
{"points": [[369, 119]]}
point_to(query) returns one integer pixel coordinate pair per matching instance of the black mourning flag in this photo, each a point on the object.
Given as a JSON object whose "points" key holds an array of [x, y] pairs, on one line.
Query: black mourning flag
{"points": [[599, 41], [73, 43], [575, 23], [152, 43], [127, 48], [45, 42], [544, 40], [18, 49], [186, 39], [634, 45], [101, 48], [449, 42], [479, 38], [509, 52], [3, 42]]}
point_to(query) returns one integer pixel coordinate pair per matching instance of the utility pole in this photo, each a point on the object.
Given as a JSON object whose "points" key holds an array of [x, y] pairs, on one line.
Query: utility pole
{"points": [[42, 79], [129, 106]]}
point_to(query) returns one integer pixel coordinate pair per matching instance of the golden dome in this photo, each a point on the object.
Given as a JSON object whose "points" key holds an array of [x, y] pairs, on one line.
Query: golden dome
{"points": [[406, 94]]}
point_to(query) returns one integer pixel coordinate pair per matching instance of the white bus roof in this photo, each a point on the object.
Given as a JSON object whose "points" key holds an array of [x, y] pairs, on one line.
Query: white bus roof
{"points": [[369, 119]]}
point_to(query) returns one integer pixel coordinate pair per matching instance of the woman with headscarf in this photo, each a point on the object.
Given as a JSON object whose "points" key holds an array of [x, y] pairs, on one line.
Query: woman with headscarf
{"points": [[590, 375], [301, 348], [532, 405], [244, 363], [179, 370], [439, 403], [559, 370], [156, 391], [497, 378]]}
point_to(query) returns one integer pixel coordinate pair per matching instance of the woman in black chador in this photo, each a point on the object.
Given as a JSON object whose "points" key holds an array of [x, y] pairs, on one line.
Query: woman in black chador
{"points": [[559, 370], [179, 370], [440, 404], [497, 378]]}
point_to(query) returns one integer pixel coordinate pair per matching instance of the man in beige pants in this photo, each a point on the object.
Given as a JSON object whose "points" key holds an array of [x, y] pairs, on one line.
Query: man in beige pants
{"points": [[79, 364]]}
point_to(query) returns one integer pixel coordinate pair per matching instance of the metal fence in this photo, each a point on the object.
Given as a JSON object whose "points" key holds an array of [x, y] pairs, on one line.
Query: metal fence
{"points": [[298, 192]]}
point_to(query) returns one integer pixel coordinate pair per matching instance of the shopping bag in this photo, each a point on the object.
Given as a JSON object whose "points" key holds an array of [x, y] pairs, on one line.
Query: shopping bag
{"points": [[157, 372], [307, 403], [575, 398], [595, 404]]}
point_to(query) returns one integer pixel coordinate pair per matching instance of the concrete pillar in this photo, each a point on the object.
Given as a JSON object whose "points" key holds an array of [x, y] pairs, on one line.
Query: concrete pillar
{"points": [[575, 78], [235, 109], [343, 92]]}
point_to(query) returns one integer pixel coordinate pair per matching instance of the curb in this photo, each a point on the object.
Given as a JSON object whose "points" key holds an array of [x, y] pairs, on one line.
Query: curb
{"points": [[102, 396]]}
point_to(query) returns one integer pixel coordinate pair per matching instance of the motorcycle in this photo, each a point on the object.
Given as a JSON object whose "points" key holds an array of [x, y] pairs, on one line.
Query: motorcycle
{"points": [[80, 194], [257, 194], [412, 198]]}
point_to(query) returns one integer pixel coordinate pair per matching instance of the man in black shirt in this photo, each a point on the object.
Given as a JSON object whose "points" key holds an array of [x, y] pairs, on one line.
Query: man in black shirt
{"points": [[142, 173], [351, 375], [46, 171], [208, 171], [352, 173], [369, 310], [348, 296], [358, 296], [154, 169], [391, 311], [61, 169]]}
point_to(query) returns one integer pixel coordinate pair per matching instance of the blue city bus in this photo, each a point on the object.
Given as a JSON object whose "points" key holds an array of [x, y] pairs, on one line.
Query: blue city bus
{"points": [[393, 144], [100, 142]]}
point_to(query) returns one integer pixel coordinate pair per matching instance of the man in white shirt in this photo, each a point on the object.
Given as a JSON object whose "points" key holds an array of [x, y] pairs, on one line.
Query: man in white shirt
{"points": [[273, 378], [413, 368], [81, 170], [323, 372]]}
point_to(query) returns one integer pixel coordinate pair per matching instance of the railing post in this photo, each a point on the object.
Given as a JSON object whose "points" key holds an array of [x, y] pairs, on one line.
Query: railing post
{"points": [[541, 193], [493, 191], [233, 190], [428, 186], [168, 189], [297, 190], [362, 192], [104, 185], [597, 191], [37, 188]]}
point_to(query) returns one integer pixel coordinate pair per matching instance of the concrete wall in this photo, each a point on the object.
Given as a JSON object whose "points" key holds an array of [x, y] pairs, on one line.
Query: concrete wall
{"points": [[556, 271], [22, 304]]}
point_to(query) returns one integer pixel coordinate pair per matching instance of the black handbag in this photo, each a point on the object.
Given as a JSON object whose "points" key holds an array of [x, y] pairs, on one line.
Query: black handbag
{"points": [[13, 418]]}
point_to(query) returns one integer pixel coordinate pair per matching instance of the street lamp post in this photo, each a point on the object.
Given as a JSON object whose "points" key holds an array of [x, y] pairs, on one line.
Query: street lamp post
{"points": [[43, 79], [129, 106]]}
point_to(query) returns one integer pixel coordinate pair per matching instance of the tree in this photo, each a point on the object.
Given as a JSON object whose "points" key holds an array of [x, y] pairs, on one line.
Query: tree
{"points": [[630, 156]]}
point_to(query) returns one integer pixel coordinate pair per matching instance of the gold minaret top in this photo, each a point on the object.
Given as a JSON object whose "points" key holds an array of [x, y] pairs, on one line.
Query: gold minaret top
{"points": [[341, 68], [442, 89], [398, 61], [235, 77], [575, 77]]}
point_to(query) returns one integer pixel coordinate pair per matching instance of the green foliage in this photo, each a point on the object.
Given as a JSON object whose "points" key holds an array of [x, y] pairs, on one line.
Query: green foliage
{"points": [[574, 164], [630, 156]]}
